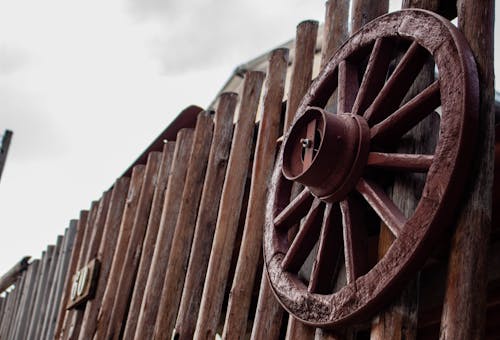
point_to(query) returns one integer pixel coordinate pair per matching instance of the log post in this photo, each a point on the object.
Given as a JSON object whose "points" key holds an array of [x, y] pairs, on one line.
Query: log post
{"points": [[13, 273], [207, 217], [127, 222], [134, 247], [184, 229], [250, 251], [149, 241], [105, 255], [230, 209], [170, 211], [464, 309]]}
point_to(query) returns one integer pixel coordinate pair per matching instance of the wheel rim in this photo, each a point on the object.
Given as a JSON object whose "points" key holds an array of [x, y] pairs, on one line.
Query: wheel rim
{"points": [[328, 208]]}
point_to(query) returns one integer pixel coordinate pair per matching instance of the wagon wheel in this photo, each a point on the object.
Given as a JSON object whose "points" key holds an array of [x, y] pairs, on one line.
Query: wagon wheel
{"points": [[342, 160]]}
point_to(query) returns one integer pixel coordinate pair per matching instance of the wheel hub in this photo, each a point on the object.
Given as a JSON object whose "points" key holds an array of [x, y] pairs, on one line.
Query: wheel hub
{"points": [[326, 152]]}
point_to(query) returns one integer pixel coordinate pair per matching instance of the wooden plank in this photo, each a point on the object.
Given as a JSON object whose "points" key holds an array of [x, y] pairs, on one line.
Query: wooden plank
{"points": [[133, 253], [305, 43], [90, 249], [335, 28], [127, 221], [80, 231], [184, 230], [50, 281], [105, 254], [36, 316], [15, 311], [250, 251], [63, 274], [6, 313], [70, 320], [170, 211], [207, 217], [11, 276], [229, 209], [465, 299], [365, 11], [4, 150], [6, 323], [149, 241]]}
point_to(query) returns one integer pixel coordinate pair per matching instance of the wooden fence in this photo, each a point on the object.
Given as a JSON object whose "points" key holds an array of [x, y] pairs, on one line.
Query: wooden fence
{"points": [[179, 235]]}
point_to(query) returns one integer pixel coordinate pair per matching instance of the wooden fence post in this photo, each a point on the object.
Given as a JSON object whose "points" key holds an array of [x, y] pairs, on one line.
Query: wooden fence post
{"points": [[207, 217], [229, 210], [464, 307]]}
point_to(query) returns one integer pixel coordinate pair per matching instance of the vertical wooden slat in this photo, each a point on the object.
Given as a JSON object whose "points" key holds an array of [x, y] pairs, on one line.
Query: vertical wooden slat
{"points": [[305, 43], [250, 251], [464, 307], [15, 312], [50, 281], [186, 221], [51, 298], [63, 273], [133, 253], [70, 320], [105, 254], [36, 316], [230, 208], [6, 313], [170, 211], [7, 321], [335, 29], [365, 11], [127, 222], [90, 249], [149, 241], [207, 217], [80, 231]]}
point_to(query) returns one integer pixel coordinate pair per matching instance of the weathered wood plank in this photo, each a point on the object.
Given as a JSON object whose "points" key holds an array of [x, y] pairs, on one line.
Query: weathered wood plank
{"points": [[105, 254], [11, 276], [149, 241], [229, 209], [126, 224], [61, 315], [170, 211], [465, 299], [335, 28], [63, 273], [184, 230], [207, 217], [305, 42], [15, 312], [42, 283], [250, 251], [133, 252], [365, 11]]}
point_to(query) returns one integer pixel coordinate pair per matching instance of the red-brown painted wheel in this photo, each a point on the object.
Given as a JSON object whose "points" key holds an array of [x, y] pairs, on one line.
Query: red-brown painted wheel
{"points": [[342, 159]]}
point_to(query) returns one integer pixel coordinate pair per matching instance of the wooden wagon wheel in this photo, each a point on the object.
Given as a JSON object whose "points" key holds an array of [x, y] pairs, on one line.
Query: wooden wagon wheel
{"points": [[342, 161]]}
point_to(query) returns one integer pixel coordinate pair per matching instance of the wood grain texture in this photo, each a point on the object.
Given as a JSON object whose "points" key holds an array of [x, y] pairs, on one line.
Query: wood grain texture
{"points": [[133, 252], [207, 217], [184, 229], [96, 227], [464, 307], [127, 222], [105, 254], [27, 301], [335, 28], [170, 212], [230, 209], [250, 250], [305, 44], [365, 11], [149, 241], [61, 315]]}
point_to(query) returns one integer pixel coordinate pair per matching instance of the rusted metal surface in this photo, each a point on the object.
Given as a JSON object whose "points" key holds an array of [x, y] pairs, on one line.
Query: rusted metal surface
{"points": [[421, 34]]}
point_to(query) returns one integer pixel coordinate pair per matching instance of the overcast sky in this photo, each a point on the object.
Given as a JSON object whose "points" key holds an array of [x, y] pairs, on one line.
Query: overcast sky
{"points": [[87, 85]]}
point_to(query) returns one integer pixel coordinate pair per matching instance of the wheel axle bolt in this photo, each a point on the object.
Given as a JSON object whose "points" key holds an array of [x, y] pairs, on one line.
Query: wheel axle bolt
{"points": [[306, 143]]}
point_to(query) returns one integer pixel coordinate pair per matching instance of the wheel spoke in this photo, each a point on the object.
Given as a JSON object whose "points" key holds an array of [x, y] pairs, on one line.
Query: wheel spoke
{"points": [[374, 77], [400, 161], [398, 84], [385, 208], [294, 211], [305, 240], [325, 266], [407, 116], [347, 86], [355, 239]]}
